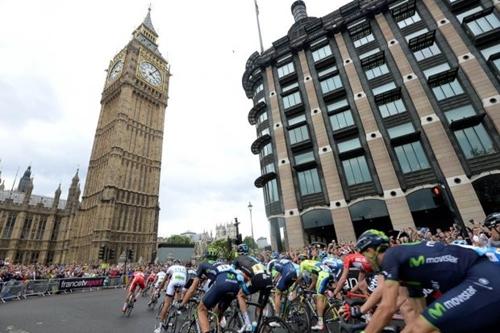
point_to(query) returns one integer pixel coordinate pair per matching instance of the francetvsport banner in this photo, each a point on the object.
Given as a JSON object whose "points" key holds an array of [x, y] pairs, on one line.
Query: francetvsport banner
{"points": [[77, 283]]}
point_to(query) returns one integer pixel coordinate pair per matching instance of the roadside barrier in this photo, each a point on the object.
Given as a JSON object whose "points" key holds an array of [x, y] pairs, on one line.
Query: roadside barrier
{"points": [[17, 290]]}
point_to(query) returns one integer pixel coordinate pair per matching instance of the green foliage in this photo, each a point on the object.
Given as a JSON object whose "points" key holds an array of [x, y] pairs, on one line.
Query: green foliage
{"points": [[223, 248], [250, 242], [178, 240]]}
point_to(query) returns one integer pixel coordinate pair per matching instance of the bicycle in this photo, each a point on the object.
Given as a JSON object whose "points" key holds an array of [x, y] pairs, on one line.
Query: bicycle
{"points": [[130, 304], [263, 324], [193, 326], [293, 312], [154, 299]]}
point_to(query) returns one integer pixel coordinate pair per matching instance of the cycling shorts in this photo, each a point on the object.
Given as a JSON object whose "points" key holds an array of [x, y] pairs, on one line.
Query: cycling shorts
{"points": [[175, 282], [287, 278], [189, 283], [322, 282], [260, 282], [224, 289], [159, 282], [477, 297], [137, 281]]}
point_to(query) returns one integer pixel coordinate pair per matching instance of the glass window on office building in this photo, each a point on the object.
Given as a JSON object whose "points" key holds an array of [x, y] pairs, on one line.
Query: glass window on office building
{"points": [[268, 168], [266, 150], [309, 181], [330, 84], [259, 88], [376, 70], [304, 157], [291, 100], [391, 108], [411, 157], [483, 24], [348, 145], [356, 170], [298, 134], [322, 53], [297, 119], [403, 23], [427, 52], [474, 140], [271, 191], [473, 10], [285, 70], [262, 117], [447, 90], [383, 88], [341, 120]]}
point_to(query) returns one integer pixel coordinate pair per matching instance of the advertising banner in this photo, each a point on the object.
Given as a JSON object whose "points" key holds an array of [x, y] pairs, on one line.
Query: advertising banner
{"points": [[77, 283]]}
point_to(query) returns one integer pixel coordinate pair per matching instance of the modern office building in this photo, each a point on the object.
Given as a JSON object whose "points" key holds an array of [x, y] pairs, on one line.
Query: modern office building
{"points": [[381, 114]]}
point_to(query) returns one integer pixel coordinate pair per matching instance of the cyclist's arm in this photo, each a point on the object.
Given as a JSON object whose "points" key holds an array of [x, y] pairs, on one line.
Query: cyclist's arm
{"points": [[375, 297], [361, 278], [314, 279], [191, 291], [386, 309], [342, 280]]}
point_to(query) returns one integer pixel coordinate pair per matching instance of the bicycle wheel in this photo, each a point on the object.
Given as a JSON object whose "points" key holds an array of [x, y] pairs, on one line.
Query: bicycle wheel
{"points": [[274, 325], [297, 317], [171, 321], [332, 318], [130, 306], [188, 327]]}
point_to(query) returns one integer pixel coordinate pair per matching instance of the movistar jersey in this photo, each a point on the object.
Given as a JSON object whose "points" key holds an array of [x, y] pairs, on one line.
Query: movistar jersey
{"points": [[210, 271], [428, 265], [492, 253]]}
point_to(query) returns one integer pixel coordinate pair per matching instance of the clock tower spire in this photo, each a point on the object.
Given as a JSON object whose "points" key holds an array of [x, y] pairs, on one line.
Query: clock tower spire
{"points": [[119, 209]]}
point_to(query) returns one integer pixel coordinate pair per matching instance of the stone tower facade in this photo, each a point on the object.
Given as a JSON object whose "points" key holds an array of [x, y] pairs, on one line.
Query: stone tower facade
{"points": [[119, 209]]}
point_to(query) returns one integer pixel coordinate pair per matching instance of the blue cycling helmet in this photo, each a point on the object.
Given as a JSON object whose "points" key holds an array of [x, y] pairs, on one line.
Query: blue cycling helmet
{"points": [[242, 249], [459, 242], [372, 239], [322, 255], [275, 255]]}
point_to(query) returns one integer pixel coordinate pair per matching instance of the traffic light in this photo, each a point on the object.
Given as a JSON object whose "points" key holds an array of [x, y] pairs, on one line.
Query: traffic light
{"points": [[111, 254], [102, 249], [130, 254], [437, 195]]}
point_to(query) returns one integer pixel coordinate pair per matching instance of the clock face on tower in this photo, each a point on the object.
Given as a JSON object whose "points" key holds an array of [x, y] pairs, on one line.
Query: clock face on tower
{"points": [[115, 71], [150, 73]]}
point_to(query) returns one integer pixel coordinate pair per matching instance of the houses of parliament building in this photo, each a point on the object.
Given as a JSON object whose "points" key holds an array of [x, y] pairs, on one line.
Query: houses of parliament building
{"points": [[119, 208]]}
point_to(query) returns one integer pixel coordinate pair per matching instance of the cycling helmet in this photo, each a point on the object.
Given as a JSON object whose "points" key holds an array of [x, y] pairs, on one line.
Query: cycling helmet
{"points": [[243, 249], [459, 242], [492, 220], [302, 257], [322, 255], [177, 262], [275, 255], [211, 254], [372, 238]]}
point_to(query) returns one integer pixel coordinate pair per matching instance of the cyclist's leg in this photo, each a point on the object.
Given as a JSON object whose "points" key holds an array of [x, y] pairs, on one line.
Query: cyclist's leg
{"points": [[170, 292], [321, 286], [219, 289], [470, 306]]}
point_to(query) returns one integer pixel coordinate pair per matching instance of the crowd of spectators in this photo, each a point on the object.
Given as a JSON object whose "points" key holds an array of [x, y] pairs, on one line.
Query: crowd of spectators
{"points": [[18, 272]]}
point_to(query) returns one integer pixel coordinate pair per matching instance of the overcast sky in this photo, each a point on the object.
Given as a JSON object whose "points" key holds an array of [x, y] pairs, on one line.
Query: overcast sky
{"points": [[53, 56]]}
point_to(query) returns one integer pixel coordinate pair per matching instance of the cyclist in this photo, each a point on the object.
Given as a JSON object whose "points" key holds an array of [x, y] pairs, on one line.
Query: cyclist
{"points": [[150, 279], [286, 275], [137, 280], [160, 277], [225, 285], [470, 284], [260, 281], [492, 222], [176, 279], [355, 260]]}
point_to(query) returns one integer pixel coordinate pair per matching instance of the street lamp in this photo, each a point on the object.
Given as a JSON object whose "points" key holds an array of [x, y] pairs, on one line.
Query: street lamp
{"points": [[251, 221]]}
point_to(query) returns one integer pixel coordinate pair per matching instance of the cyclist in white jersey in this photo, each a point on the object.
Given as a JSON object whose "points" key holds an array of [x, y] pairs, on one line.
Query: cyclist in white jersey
{"points": [[160, 277], [175, 281]]}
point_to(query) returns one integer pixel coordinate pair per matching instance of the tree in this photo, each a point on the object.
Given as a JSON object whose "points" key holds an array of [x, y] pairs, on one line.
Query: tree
{"points": [[223, 248], [178, 240], [250, 242]]}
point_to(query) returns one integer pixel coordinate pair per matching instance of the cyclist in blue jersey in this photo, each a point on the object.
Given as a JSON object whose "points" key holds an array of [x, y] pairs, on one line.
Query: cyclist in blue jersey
{"points": [[470, 284], [225, 284], [286, 275]]}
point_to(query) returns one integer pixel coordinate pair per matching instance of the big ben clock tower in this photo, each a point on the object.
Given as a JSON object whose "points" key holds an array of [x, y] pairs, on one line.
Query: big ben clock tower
{"points": [[119, 209]]}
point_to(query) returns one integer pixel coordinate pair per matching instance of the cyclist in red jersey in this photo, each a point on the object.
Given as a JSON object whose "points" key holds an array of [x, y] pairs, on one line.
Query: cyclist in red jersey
{"points": [[151, 278], [356, 260], [137, 280]]}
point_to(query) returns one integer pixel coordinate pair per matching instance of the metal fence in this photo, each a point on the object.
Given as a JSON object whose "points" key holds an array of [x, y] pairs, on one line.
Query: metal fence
{"points": [[17, 290]]}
